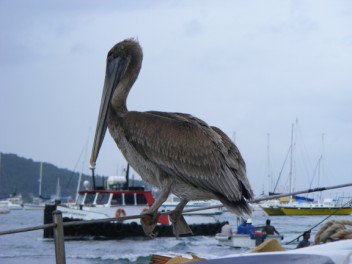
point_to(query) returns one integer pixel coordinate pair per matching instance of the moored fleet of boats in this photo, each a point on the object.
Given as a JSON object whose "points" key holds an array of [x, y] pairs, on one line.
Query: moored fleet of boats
{"points": [[341, 206], [117, 199]]}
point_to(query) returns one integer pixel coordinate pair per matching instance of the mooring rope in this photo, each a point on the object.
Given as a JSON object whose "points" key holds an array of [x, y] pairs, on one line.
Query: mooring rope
{"points": [[334, 230]]}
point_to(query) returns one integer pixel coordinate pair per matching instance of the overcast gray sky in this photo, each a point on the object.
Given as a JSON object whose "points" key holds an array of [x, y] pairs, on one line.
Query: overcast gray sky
{"points": [[248, 67]]}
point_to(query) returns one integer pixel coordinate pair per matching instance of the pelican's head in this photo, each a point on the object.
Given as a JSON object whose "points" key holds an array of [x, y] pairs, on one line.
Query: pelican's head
{"points": [[123, 64]]}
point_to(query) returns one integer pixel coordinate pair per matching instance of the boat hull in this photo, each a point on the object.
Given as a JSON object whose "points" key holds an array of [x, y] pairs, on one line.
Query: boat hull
{"points": [[307, 209], [119, 230], [273, 210], [316, 211], [124, 230]]}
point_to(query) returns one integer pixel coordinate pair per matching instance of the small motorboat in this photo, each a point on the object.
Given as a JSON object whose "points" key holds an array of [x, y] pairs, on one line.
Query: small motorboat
{"points": [[244, 240]]}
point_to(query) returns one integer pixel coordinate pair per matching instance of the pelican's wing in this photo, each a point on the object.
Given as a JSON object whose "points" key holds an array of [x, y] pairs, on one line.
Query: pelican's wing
{"points": [[237, 163], [186, 147]]}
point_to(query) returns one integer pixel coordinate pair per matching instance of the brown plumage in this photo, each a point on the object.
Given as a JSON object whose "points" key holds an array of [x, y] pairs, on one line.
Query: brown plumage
{"points": [[176, 152]]}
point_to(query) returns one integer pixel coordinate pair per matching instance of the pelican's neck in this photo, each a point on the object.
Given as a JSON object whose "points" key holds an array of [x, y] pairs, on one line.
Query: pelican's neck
{"points": [[130, 75], [119, 99]]}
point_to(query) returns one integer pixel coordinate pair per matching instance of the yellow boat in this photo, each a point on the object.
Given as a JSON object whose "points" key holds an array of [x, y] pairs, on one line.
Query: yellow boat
{"points": [[275, 207], [328, 207], [272, 209], [315, 209]]}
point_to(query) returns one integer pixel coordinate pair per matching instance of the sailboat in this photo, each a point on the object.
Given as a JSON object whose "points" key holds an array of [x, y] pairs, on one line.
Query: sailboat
{"points": [[297, 205], [37, 201], [273, 207], [327, 207]]}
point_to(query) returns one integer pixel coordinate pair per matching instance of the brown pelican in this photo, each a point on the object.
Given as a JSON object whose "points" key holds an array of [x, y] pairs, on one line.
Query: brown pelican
{"points": [[178, 153]]}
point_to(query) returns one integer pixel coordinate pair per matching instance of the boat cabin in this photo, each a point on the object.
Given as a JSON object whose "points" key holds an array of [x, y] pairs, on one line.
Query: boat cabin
{"points": [[111, 198]]}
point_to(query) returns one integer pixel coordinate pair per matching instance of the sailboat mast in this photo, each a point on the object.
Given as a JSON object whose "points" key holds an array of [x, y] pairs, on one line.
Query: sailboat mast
{"points": [[58, 189], [79, 184], [40, 179], [322, 156], [321, 165], [83, 166], [291, 163], [270, 175]]}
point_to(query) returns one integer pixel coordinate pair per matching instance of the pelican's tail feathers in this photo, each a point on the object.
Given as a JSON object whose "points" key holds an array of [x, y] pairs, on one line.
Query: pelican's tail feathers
{"points": [[240, 207]]}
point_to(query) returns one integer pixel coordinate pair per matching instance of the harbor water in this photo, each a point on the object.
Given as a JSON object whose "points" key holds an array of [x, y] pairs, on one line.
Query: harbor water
{"points": [[31, 248]]}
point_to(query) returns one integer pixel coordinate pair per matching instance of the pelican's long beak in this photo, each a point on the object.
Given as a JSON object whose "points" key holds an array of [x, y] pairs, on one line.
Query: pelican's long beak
{"points": [[115, 68]]}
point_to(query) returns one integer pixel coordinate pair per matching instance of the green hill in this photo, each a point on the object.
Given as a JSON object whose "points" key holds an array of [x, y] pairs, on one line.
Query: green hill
{"points": [[21, 175]]}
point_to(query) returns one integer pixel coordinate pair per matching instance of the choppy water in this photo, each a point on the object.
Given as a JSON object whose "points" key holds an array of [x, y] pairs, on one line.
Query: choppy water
{"points": [[31, 248]]}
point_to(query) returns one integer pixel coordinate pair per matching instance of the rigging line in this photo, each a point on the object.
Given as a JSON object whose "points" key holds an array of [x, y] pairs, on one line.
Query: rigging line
{"points": [[310, 229], [304, 153], [68, 183], [315, 172], [283, 165], [82, 153]]}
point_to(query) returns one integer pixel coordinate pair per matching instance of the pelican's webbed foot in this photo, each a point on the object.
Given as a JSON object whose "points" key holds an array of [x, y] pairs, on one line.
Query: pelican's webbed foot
{"points": [[180, 226], [148, 222]]}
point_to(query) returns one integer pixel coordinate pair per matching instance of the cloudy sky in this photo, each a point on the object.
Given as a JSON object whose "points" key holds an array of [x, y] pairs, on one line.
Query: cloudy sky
{"points": [[252, 68]]}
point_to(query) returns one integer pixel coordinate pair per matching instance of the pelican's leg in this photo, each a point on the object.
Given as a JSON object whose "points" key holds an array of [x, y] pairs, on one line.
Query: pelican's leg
{"points": [[150, 217], [178, 221]]}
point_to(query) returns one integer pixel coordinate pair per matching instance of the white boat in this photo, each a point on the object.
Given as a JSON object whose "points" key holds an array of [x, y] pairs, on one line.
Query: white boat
{"points": [[244, 240], [233, 239], [109, 203], [36, 204], [119, 200], [14, 202], [4, 209], [100, 204], [172, 201]]}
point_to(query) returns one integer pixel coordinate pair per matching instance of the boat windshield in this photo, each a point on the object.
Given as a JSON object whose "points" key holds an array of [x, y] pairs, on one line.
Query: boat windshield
{"points": [[141, 199], [80, 199], [103, 198], [89, 198], [116, 199], [129, 199]]}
